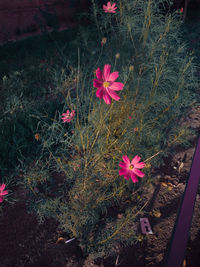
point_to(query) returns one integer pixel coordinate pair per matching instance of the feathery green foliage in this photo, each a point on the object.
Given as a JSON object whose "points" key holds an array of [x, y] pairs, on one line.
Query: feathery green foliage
{"points": [[76, 178]]}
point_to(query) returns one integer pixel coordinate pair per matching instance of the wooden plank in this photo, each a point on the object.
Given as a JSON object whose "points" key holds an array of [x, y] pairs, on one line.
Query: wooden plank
{"points": [[180, 233]]}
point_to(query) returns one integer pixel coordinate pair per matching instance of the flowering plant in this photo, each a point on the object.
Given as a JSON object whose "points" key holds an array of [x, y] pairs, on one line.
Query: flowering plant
{"points": [[140, 48], [67, 117], [110, 8], [106, 84], [130, 169], [2, 192]]}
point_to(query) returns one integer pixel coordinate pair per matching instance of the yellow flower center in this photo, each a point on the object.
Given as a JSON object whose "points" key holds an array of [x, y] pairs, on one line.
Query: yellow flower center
{"points": [[106, 84], [131, 167]]}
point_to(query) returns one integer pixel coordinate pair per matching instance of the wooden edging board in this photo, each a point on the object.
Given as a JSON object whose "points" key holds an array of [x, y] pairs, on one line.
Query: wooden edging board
{"points": [[176, 252]]}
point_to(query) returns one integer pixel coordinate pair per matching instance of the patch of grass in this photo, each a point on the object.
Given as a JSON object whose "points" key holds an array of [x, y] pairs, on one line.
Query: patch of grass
{"points": [[29, 84]]}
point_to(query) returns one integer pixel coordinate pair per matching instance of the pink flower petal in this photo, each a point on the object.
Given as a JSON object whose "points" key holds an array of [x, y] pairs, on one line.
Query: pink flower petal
{"points": [[99, 74], [97, 83], [135, 160], [123, 164], [1, 199], [106, 71], [138, 172], [139, 165], [2, 187], [123, 172], [106, 98], [117, 86], [72, 114], [5, 192], [126, 159], [113, 94], [113, 76], [99, 92], [134, 178]]}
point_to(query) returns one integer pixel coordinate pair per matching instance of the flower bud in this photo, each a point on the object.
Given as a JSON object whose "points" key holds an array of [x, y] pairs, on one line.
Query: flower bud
{"points": [[37, 136], [117, 56], [4, 79], [131, 68], [147, 165], [103, 41]]}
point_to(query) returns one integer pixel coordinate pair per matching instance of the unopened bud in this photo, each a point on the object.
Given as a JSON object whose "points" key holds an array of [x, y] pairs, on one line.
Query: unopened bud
{"points": [[131, 68], [37, 136], [4, 79], [147, 165], [117, 56], [103, 41]]}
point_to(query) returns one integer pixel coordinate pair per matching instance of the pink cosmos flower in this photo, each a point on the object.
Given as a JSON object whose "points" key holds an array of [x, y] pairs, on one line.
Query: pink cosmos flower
{"points": [[109, 8], [2, 192], [67, 117], [130, 169], [181, 10], [106, 84]]}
